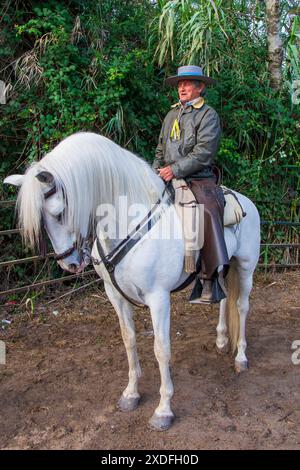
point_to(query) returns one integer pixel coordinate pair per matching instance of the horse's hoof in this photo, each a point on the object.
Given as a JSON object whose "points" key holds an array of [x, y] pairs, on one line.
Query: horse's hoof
{"points": [[161, 423], [223, 349], [241, 366], [128, 404]]}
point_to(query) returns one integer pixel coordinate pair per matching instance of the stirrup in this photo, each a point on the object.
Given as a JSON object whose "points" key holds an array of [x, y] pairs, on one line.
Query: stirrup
{"points": [[210, 292], [202, 293]]}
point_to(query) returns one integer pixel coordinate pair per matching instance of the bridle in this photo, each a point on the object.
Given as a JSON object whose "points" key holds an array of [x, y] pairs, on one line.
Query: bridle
{"points": [[42, 242]]}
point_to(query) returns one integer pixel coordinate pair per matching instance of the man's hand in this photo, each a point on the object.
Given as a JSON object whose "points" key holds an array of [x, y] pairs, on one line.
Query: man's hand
{"points": [[166, 173]]}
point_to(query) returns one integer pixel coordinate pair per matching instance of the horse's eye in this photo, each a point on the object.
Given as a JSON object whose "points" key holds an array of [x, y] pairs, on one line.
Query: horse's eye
{"points": [[59, 217]]}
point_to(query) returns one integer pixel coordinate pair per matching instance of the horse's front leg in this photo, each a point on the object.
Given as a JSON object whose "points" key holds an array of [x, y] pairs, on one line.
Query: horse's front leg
{"points": [[130, 397], [159, 303]]}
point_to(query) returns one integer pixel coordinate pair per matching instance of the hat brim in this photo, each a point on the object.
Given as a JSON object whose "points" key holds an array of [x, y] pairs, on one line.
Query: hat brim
{"points": [[173, 81]]}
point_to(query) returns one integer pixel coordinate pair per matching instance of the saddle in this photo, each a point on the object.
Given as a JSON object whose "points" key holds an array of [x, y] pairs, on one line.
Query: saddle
{"points": [[191, 215]]}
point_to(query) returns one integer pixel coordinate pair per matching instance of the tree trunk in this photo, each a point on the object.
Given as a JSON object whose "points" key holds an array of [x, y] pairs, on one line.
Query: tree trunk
{"points": [[274, 42]]}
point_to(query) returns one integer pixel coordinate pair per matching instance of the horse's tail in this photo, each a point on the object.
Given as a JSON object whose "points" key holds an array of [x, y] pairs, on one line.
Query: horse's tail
{"points": [[232, 314]]}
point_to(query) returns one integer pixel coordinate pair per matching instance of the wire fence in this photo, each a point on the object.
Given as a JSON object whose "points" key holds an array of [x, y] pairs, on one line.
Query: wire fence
{"points": [[91, 272]]}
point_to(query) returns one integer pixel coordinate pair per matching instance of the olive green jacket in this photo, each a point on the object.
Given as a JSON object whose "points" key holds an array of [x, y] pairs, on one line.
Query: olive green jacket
{"points": [[190, 155]]}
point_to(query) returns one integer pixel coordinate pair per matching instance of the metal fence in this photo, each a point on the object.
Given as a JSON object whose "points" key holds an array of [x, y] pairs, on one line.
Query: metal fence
{"points": [[91, 272]]}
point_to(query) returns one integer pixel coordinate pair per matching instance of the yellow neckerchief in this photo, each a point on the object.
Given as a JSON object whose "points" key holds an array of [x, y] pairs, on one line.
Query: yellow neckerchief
{"points": [[197, 104]]}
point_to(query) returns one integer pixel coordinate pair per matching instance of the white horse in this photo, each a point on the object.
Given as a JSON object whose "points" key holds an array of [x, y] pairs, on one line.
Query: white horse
{"points": [[62, 192]]}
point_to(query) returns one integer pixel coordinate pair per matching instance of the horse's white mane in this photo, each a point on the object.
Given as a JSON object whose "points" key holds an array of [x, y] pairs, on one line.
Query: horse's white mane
{"points": [[89, 169]]}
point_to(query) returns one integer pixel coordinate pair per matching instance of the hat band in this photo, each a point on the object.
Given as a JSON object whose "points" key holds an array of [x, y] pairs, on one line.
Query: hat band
{"points": [[190, 73]]}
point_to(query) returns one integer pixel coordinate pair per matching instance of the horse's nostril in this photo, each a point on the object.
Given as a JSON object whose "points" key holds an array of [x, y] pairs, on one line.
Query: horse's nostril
{"points": [[72, 266]]}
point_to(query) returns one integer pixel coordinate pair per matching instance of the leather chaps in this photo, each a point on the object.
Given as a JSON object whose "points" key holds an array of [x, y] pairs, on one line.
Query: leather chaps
{"points": [[214, 251]]}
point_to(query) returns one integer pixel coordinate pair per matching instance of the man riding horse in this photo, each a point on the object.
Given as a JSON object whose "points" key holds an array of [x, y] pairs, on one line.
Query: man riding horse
{"points": [[188, 143]]}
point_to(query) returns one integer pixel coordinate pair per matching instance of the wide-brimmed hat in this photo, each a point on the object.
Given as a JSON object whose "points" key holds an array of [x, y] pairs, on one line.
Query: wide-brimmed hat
{"points": [[189, 72]]}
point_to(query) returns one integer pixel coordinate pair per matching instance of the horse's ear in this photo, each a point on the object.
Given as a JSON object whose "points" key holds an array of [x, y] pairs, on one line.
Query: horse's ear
{"points": [[14, 180], [45, 177]]}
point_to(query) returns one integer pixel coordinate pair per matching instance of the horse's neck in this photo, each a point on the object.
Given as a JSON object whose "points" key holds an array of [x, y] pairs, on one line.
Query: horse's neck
{"points": [[122, 212], [123, 220], [116, 222], [108, 241]]}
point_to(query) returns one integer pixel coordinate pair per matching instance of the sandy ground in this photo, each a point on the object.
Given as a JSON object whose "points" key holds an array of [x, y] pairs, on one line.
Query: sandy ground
{"points": [[65, 373]]}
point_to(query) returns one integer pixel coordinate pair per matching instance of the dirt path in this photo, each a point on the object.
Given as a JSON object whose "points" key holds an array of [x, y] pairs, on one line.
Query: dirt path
{"points": [[65, 373]]}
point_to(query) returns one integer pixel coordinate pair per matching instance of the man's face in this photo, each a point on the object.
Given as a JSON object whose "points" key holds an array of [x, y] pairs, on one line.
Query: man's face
{"points": [[188, 90]]}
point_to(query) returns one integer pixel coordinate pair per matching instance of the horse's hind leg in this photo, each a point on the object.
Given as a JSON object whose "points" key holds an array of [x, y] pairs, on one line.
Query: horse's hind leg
{"points": [[245, 282], [159, 304], [222, 342], [130, 397]]}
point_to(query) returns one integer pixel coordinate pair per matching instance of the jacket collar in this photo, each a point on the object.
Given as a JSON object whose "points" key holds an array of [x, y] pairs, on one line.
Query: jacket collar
{"points": [[197, 104]]}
